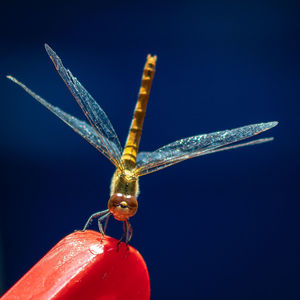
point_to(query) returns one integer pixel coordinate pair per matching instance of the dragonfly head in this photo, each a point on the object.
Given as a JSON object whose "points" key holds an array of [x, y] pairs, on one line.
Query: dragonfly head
{"points": [[122, 206]]}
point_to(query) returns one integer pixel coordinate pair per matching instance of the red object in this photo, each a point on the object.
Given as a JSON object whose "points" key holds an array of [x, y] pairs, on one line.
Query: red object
{"points": [[81, 267]]}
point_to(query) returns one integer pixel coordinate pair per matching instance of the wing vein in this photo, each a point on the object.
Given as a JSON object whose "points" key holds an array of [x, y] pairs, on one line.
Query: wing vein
{"points": [[194, 146]]}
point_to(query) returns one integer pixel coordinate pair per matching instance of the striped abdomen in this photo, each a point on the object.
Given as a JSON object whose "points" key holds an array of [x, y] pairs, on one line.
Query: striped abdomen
{"points": [[131, 148]]}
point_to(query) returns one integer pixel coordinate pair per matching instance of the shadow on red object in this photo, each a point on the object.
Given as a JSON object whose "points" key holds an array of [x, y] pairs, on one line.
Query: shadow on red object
{"points": [[81, 267]]}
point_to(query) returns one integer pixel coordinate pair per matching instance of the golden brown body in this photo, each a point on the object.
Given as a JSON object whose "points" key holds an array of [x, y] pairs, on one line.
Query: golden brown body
{"points": [[124, 187]]}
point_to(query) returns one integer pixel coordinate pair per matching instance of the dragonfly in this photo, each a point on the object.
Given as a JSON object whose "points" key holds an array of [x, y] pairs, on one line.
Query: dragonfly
{"points": [[131, 164]]}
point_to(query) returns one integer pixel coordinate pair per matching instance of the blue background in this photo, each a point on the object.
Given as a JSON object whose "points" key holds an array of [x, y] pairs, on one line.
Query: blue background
{"points": [[224, 226]]}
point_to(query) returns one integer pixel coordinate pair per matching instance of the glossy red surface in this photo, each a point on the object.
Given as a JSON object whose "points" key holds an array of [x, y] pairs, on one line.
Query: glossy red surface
{"points": [[81, 267]]}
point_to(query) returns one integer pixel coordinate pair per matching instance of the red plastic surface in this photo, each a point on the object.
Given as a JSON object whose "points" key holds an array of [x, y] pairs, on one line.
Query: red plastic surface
{"points": [[81, 267]]}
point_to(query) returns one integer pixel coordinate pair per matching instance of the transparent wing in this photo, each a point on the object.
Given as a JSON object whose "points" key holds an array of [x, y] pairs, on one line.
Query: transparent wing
{"points": [[92, 110], [148, 162], [144, 156], [81, 127]]}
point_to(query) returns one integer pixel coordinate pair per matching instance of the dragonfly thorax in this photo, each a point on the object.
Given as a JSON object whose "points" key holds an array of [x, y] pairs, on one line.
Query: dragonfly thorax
{"points": [[122, 206], [124, 182], [123, 192]]}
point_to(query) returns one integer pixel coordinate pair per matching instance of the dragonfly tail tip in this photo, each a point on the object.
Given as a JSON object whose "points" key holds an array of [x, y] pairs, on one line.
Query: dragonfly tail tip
{"points": [[11, 78]]}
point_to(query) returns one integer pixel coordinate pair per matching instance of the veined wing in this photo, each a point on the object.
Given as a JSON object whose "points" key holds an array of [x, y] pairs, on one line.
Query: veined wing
{"points": [[148, 162], [92, 110], [81, 127], [145, 156]]}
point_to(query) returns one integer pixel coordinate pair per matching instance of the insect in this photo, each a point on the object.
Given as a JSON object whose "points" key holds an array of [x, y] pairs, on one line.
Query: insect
{"points": [[130, 164]]}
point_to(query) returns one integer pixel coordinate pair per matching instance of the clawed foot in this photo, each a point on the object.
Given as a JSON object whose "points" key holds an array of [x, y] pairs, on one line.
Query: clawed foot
{"points": [[105, 214], [127, 234]]}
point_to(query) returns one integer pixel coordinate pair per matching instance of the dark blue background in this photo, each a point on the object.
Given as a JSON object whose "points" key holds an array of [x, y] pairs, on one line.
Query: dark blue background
{"points": [[224, 226]]}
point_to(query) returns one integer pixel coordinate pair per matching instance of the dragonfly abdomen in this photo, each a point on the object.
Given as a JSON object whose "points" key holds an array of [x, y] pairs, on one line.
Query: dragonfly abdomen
{"points": [[135, 131]]}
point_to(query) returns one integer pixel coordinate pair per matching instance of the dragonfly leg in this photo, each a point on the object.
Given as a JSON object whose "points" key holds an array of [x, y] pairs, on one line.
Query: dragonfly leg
{"points": [[102, 231], [128, 233], [93, 216], [106, 222], [123, 235], [100, 224]]}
